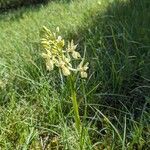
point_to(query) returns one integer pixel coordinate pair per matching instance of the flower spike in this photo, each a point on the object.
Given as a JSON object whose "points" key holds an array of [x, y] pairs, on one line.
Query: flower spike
{"points": [[56, 55]]}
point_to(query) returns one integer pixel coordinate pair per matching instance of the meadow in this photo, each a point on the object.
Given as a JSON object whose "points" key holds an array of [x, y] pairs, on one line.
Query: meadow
{"points": [[36, 111]]}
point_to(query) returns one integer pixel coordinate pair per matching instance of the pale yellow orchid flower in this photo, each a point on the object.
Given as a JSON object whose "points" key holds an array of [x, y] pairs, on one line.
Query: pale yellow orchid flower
{"points": [[65, 69], [49, 64], [83, 68], [71, 49]]}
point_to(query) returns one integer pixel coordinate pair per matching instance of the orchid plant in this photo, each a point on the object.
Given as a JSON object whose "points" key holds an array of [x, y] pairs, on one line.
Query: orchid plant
{"points": [[57, 54]]}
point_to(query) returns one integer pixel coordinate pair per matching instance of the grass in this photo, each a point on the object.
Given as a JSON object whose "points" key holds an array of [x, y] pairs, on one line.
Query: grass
{"points": [[114, 101]]}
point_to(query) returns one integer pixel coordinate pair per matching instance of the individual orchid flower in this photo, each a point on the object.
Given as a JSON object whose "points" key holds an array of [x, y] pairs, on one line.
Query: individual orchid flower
{"points": [[60, 42], [71, 49], [83, 68], [49, 60], [50, 65], [66, 71], [64, 68], [47, 55], [76, 55]]}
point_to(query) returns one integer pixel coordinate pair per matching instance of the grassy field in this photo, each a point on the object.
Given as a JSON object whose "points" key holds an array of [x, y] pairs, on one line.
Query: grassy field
{"points": [[36, 112]]}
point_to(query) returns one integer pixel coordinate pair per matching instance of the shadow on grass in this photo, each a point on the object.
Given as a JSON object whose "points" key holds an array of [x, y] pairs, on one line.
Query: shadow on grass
{"points": [[14, 5], [118, 50], [8, 5], [15, 11]]}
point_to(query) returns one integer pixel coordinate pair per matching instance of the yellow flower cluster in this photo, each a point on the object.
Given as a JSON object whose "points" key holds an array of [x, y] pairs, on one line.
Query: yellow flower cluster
{"points": [[56, 54]]}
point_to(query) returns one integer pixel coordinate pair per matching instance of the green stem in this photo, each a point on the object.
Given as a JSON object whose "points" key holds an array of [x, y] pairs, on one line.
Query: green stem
{"points": [[75, 104]]}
